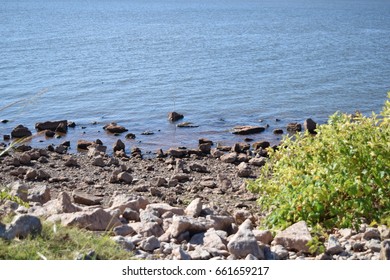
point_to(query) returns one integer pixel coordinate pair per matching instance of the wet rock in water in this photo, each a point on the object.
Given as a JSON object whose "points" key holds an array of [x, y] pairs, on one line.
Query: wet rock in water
{"points": [[278, 131], [40, 194], [136, 152], [52, 125], [244, 243], [71, 124], [261, 144], [49, 133], [247, 129], [83, 144], [205, 141], [85, 198], [22, 226], [294, 127], [119, 146], [295, 237], [20, 132], [130, 136], [62, 128], [114, 128], [310, 125], [147, 132], [187, 125], [4, 121], [174, 116]]}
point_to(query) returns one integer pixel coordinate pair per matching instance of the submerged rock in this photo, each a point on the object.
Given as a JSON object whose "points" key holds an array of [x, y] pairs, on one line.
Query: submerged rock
{"points": [[20, 131], [174, 116]]}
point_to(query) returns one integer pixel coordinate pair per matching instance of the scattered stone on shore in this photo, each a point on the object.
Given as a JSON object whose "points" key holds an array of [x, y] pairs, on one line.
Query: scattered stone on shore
{"points": [[294, 127], [119, 146], [247, 129], [83, 144], [114, 128], [20, 132], [295, 237], [182, 213], [174, 116], [244, 243], [261, 144]]}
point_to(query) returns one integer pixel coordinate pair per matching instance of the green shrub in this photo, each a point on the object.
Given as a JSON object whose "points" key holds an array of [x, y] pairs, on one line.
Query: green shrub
{"points": [[335, 178]]}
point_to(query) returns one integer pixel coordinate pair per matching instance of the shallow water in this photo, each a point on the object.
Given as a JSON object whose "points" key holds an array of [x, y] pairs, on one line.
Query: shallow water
{"points": [[220, 63]]}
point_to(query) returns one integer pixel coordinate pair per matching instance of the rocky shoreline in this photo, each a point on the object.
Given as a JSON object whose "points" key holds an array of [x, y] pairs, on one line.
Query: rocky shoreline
{"points": [[181, 204]]}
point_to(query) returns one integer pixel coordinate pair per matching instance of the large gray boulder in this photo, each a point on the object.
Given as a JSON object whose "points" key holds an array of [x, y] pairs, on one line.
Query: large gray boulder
{"points": [[22, 226], [244, 243], [295, 237], [95, 220]]}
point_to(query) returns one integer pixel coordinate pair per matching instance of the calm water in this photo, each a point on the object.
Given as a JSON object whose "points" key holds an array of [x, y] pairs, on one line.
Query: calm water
{"points": [[220, 63]]}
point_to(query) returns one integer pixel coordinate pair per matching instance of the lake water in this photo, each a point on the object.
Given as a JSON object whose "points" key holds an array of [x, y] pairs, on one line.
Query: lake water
{"points": [[220, 63]]}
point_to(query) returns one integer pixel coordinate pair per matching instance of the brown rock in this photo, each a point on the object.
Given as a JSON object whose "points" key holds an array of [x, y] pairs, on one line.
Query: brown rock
{"points": [[86, 199], [40, 194], [124, 201], [229, 158], [295, 237], [83, 144], [52, 125], [261, 144], [119, 146], [294, 127], [247, 129], [194, 208], [95, 219], [114, 128], [20, 132], [310, 125], [162, 208], [174, 116]]}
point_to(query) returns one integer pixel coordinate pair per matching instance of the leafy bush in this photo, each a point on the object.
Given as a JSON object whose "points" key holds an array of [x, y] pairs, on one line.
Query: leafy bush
{"points": [[335, 178]]}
